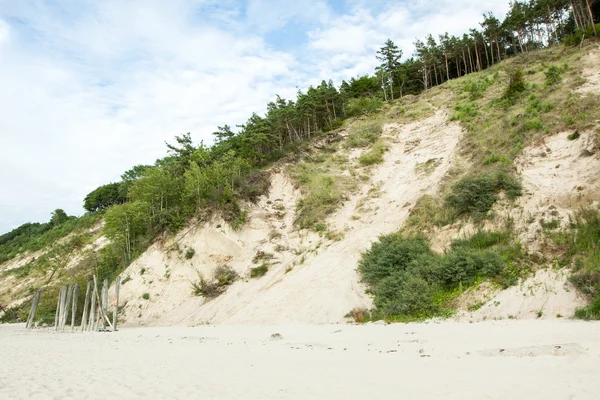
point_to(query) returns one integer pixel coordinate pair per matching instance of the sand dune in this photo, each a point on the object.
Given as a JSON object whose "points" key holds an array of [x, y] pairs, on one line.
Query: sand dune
{"points": [[488, 360]]}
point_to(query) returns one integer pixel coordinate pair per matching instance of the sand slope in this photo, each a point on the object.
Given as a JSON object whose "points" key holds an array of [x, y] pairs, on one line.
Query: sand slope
{"points": [[313, 280], [488, 360]]}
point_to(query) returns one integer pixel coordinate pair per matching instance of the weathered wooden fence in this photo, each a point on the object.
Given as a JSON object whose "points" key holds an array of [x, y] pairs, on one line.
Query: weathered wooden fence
{"points": [[95, 309]]}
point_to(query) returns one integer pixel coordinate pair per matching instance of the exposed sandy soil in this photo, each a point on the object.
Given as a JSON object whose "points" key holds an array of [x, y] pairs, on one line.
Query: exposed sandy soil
{"points": [[591, 71], [488, 360], [314, 280]]}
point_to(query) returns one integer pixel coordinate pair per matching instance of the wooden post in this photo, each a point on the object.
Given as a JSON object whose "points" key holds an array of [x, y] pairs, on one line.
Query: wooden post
{"points": [[105, 296], [58, 306], [85, 306], [92, 321], [116, 309], [33, 311], [101, 313], [30, 310], [67, 306], [74, 306]]}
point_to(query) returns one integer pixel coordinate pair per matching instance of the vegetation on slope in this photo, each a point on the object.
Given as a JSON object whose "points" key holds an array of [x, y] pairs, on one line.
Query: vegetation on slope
{"points": [[409, 281], [581, 245]]}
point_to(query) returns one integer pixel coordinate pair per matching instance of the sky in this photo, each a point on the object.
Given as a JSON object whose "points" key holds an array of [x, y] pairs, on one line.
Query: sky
{"points": [[90, 88]]}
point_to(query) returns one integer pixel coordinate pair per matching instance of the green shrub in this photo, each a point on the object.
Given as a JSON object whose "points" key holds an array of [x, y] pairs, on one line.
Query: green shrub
{"points": [[492, 158], [576, 38], [464, 112], [406, 294], [535, 106], [408, 280], [554, 75], [477, 87], [477, 194], [333, 125], [482, 239], [464, 265], [573, 136], [146, 296], [534, 124], [257, 272], [190, 253], [363, 106], [516, 85], [391, 254], [582, 249], [590, 312], [224, 275], [373, 156]]}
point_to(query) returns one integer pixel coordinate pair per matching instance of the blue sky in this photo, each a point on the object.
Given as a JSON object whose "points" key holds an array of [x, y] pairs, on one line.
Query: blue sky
{"points": [[91, 88]]}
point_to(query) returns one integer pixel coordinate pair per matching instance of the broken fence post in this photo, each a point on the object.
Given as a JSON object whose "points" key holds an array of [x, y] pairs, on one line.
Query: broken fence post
{"points": [[74, 306], [84, 317], [33, 310], [116, 309]]}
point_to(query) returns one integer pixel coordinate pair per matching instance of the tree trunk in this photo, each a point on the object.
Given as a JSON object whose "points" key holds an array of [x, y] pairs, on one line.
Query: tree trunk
{"points": [[519, 40], [591, 16], [477, 57], [447, 70], [577, 24], [487, 59], [498, 47], [492, 50], [470, 58]]}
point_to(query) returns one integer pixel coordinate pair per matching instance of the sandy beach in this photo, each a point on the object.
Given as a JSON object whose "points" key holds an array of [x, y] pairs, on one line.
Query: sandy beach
{"points": [[448, 360]]}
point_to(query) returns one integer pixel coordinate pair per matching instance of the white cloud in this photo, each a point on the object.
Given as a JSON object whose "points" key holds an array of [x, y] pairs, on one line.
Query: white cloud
{"points": [[116, 83], [347, 45]]}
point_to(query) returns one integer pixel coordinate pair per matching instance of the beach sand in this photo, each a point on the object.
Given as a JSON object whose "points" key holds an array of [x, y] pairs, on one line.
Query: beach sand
{"points": [[508, 359]]}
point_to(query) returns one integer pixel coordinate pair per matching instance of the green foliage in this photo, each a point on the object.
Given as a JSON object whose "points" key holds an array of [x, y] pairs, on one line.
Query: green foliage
{"points": [[260, 271], [516, 85], [363, 106], [146, 296], [476, 194], [126, 225], [321, 199], [190, 253], [374, 155], [103, 197], [36, 236], [223, 276], [534, 124], [408, 280], [582, 249], [363, 134], [464, 112], [238, 220], [576, 38], [392, 253], [573, 136], [554, 75], [262, 256], [475, 88], [590, 312], [492, 158]]}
